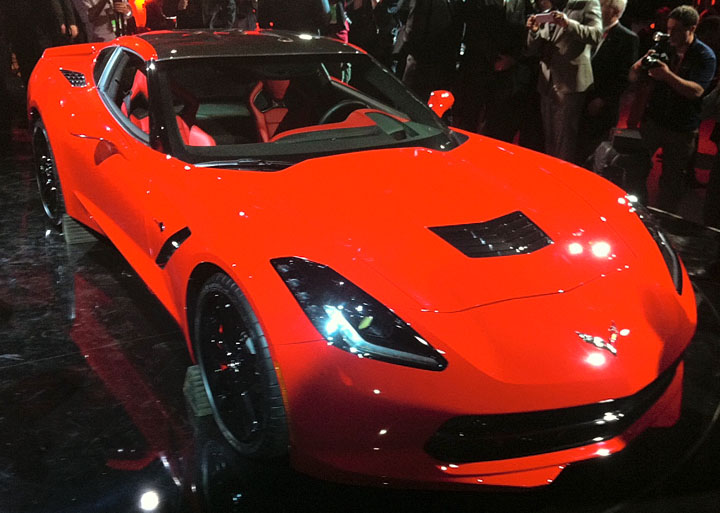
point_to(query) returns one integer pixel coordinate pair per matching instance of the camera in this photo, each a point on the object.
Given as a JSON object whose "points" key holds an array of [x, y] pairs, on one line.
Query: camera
{"points": [[661, 51]]}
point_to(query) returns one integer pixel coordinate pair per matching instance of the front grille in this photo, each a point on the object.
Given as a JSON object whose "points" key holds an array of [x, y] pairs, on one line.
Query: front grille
{"points": [[473, 438], [75, 78], [511, 234]]}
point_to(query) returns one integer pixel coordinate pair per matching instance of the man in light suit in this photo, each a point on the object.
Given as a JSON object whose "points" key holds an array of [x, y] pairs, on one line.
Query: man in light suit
{"points": [[563, 43]]}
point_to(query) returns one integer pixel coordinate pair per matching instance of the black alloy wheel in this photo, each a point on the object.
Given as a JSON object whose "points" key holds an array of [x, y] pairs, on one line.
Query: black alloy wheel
{"points": [[46, 173], [238, 372]]}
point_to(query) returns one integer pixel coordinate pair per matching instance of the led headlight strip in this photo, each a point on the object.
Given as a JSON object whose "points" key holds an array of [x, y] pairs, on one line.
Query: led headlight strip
{"points": [[661, 239], [352, 320]]}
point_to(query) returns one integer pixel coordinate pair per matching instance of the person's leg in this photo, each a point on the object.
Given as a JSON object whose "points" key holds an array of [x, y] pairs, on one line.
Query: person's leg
{"points": [[678, 149], [547, 110], [636, 179], [711, 208], [502, 112], [531, 124], [567, 124], [5, 104]]}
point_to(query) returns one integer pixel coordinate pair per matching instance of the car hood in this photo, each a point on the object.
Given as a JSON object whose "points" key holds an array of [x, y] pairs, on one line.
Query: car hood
{"points": [[368, 215]]}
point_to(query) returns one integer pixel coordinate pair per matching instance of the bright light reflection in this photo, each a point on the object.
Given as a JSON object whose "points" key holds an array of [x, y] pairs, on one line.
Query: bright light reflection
{"points": [[601, 249], [632, 198], [149, 501], [376, 392], [338, 324], [382, 432], [624, 332], [603, 452], [575, 248], [306, 37], [596, 359]]}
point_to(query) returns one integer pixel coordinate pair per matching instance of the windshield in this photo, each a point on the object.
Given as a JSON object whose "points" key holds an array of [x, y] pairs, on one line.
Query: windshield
{"points": [[290, 108]]}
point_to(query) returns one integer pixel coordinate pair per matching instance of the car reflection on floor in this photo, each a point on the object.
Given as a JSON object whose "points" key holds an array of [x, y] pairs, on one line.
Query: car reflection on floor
{"points": [[93, 417]]}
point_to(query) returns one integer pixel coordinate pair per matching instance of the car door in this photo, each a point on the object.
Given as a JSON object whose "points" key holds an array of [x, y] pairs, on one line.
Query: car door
{"points": [[116, 190], [112, 188]]}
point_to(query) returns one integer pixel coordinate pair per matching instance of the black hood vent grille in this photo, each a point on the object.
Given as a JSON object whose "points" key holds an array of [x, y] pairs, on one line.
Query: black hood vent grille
{"points": [[75, 78], [511, 234]]}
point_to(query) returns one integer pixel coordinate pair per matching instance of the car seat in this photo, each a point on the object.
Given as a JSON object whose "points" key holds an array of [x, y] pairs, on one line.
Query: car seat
{"points": [[135, 104], [268, 107]]}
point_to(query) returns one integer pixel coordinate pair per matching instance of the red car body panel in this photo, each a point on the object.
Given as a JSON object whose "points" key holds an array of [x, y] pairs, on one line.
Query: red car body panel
{"points": [[508, 326]]}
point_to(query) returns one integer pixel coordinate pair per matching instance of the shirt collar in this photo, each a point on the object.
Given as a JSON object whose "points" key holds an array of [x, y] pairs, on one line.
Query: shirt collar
{"points": [[607, 29]]}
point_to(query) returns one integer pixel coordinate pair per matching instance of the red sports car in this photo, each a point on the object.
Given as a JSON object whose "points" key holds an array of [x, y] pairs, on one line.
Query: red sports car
{"points": [[384, 298]]}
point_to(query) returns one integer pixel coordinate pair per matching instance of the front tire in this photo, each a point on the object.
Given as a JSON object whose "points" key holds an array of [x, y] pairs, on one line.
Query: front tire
{"points": [[238, 372], [48, 180]]}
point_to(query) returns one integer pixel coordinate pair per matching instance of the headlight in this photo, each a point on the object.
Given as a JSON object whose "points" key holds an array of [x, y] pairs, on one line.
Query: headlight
{"points": [[351, 319], [668, 253]]}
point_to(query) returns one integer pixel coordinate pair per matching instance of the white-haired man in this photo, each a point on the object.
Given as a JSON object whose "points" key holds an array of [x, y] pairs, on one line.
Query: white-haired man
{"points": [[612, 58]]}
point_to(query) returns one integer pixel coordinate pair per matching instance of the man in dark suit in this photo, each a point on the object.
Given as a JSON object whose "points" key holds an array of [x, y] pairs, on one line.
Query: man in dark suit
{"points": [[432, 39], [563, 42], [312, 16], [611, 61]]}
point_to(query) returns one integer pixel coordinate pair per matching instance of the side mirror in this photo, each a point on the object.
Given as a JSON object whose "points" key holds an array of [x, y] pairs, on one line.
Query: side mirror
{"points": [[441, 101]]}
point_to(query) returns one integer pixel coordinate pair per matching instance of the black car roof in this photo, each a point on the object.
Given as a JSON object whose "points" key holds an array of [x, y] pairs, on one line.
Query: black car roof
{"points": [[179, 44]]}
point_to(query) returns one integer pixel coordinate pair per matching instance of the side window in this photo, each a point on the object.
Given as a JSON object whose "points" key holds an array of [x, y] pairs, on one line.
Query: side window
{"points": [[133, 93], [101, 62], [126, 88]]}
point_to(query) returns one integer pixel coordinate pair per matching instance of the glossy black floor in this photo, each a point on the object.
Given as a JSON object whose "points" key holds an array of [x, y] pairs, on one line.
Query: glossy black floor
{"points": [[93, 417]]}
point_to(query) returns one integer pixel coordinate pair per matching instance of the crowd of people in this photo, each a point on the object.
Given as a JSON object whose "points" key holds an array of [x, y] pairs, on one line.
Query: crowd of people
{"points": [[548, 74]]}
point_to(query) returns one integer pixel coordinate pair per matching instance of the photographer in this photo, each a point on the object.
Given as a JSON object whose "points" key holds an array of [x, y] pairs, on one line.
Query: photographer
{"points": [[672, 115]]}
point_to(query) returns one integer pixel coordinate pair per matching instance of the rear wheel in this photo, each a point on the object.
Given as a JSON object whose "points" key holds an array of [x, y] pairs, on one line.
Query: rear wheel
{"points": [[237, 371], [47, 176]]}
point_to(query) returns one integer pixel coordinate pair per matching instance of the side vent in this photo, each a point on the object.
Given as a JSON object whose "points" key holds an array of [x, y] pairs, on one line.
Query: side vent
{"points": [[75, 78], [512, 234]]}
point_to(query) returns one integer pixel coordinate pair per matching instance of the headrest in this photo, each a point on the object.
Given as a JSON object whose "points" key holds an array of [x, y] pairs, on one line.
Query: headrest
{"points": [[140, 84], [276, 88]]}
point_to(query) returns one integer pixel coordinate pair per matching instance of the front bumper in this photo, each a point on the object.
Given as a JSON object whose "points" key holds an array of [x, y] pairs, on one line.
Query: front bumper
{"points": [[350, 430]]}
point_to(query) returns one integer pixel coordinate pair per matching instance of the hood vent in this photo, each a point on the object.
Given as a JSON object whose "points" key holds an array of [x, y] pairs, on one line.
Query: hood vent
{"points": [[511, 234], [75, 78]]}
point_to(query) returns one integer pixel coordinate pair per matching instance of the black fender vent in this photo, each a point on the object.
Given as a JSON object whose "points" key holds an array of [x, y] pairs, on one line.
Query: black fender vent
{"points": [[511, 234], [75, 78]]}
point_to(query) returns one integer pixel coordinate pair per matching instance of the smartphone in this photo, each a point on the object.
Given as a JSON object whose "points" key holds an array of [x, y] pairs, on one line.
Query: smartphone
{"points": [[545, 17]]}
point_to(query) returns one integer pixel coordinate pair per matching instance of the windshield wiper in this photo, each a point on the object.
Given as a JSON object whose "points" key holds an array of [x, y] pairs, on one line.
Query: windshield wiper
{"points": [[249, 163]]}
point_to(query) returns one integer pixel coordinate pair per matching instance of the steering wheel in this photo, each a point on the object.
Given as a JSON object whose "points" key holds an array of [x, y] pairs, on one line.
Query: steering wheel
{"points": [[342, 106]]}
